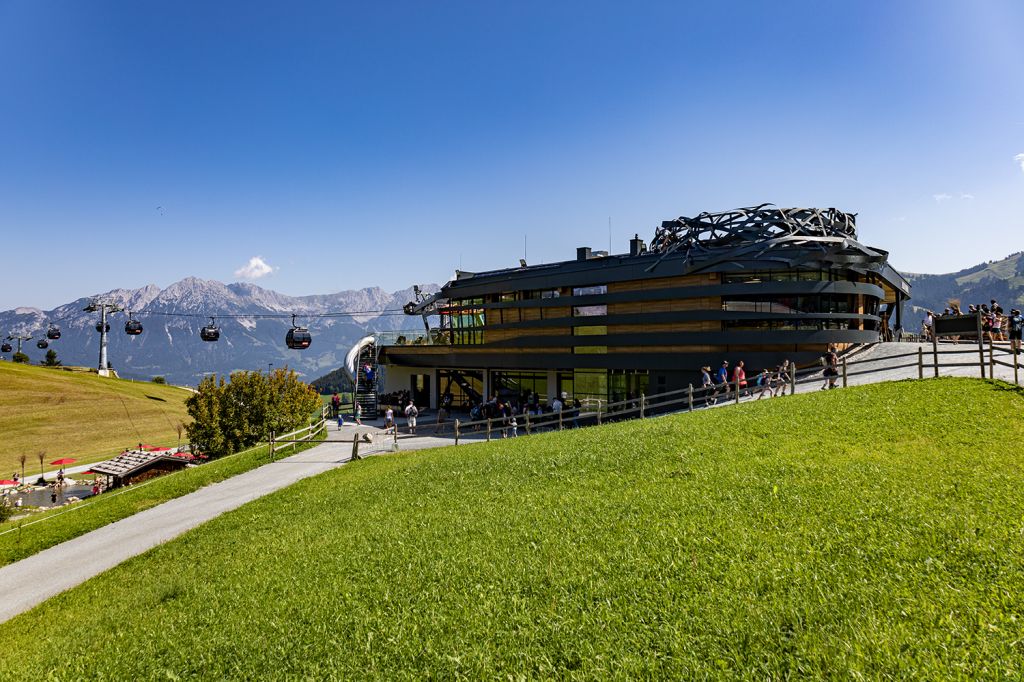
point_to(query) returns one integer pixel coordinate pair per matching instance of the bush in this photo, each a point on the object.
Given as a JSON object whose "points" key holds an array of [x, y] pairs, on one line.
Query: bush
{"points": [[6, 511], [159, 380], [51, 359], [21, 357]]}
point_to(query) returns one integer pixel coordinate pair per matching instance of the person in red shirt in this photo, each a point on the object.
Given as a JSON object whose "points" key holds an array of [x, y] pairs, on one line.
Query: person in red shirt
{"points": [[739, 378]]}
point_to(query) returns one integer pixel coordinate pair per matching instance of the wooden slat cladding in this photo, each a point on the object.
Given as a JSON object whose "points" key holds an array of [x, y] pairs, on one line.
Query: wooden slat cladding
{"points": [[668, 305], [666, 349]]}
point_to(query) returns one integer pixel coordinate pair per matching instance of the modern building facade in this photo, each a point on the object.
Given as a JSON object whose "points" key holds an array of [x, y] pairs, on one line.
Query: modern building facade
{"points": [[758, 284]]}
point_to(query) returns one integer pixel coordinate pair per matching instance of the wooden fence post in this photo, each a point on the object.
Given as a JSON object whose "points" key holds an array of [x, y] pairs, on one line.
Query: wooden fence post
{"points": [[1016, 364], [920, 362], [642, 400], [935, 353], [737, 389], [488, 429], [991, 361], [271, 445], [598, 411], [560, 420], [355, 447], [527, 422], [792, 380], [689, 396], [456, 432], [844, 372]]}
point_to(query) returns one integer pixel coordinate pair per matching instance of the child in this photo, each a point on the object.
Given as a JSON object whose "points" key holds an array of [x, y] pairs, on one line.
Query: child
{"points": [[515, 425], [341, 420]]}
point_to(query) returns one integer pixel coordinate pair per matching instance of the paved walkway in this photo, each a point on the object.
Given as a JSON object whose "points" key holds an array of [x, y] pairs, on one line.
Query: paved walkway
{"points": [[39, 577]]}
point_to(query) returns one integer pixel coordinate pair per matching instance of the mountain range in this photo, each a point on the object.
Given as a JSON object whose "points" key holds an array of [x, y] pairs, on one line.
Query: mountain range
{"points": [[170, 345], [172, 317]]}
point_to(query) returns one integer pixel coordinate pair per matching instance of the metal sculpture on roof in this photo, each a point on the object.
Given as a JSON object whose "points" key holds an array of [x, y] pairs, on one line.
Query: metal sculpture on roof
{"points": [[752, 225]]}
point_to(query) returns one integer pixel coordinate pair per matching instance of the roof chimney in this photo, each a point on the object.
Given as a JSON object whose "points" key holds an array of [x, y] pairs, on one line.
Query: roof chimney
{"points": [[636, 246], [583, 253]]}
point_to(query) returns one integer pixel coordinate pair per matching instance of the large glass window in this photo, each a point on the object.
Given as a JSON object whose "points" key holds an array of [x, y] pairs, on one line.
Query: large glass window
{"points": [[516, 385], [466, 320], [589, 310], [465, 386], [590, 384]]}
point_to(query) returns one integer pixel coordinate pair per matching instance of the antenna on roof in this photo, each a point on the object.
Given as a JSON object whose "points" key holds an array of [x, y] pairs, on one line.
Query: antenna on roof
{"points": [[609, 234]]}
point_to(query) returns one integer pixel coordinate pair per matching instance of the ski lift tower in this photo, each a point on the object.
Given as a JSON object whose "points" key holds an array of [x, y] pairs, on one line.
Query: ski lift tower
{"points": [[103, 307]]}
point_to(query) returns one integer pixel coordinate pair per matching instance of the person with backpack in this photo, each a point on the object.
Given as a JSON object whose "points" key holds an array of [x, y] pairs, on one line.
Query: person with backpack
{"points": [[722, 381], [739, 377], [782, 378], [764, 382], [831, 360], [410, 416], [706, 384], [1016, 325]]}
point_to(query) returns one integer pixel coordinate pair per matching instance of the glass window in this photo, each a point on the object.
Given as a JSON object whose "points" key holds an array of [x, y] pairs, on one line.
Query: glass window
{"points": [[590, 384], [590, 330]]}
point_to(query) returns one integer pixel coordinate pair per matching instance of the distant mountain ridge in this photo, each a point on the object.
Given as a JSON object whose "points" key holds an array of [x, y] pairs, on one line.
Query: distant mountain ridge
{"points": [[1002, 280], [170, 345]]}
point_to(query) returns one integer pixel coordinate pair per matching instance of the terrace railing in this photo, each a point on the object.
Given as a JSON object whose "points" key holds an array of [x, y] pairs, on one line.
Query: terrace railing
{"points": [[421, 337]]}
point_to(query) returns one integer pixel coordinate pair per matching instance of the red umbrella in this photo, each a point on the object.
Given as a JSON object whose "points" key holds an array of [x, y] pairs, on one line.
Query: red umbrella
{"points": [[8, 481], [146, 446], [86, 473], [159, 449], [62, 461]]}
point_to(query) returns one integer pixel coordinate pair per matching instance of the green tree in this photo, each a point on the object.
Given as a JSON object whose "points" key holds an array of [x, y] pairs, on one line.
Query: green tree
{"points": [[51, 359], [233, 415], [159, 380], [204, 431], [21, 357]]}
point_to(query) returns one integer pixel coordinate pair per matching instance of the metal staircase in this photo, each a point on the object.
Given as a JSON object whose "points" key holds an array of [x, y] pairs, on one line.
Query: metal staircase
{"points": [[366, 388]]}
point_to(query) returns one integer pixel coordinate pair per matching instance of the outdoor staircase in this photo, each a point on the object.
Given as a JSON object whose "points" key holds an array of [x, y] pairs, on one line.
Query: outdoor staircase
{"points": [[366, 390], [466, 387]]}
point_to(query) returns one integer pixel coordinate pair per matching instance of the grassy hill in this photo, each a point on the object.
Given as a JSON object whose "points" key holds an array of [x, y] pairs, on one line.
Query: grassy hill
{"points": [[869, 532], [72, 414], [1002, 280]]}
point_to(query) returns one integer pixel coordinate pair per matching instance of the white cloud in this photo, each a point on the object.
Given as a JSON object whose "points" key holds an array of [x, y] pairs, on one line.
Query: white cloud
{"points": [[254, 269], [1020, 160], [942, 196], [966, 196]]}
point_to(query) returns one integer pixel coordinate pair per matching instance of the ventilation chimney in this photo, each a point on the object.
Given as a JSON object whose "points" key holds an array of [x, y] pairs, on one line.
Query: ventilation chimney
{"points": [[636, 246], [583, 253]]}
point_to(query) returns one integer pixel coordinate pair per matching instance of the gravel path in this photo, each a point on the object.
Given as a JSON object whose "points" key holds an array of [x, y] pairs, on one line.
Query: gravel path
{"points": [[31, 581]]}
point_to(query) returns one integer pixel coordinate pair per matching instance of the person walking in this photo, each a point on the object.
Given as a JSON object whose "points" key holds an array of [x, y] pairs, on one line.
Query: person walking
{"points": [[722, 381], [782, 378], [335, 404], [358, 416], [831, 367], [410, 416], [739, 377], [707, 385], [764, 382], [389, 419]]}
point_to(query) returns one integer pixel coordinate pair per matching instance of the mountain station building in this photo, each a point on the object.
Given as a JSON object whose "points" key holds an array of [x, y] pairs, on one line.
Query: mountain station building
{"points": [[759, 284]]}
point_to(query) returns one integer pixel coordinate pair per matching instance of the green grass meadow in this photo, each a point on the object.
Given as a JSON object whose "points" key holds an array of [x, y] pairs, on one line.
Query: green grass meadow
{"points": [[80, 415], [876, 531]]}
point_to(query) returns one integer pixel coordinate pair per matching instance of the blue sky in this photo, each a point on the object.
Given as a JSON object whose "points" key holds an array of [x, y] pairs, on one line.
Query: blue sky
{"points": [[351, 145]]}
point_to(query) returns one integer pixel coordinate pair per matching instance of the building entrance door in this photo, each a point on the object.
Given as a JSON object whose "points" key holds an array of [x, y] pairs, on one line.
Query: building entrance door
{"points": [[419, 389]]}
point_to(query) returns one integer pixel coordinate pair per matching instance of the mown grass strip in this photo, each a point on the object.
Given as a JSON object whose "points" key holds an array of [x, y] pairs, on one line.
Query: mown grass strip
{"points": [[34, 533], [873, 532]]}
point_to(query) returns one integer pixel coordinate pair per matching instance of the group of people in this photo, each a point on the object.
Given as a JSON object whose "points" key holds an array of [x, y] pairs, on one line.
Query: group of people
{"points": [[995, 325], [767, 383]]}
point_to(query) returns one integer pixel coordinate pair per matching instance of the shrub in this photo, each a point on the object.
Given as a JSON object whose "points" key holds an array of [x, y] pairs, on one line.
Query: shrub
{"points": [[21, 357], [159, 380]]}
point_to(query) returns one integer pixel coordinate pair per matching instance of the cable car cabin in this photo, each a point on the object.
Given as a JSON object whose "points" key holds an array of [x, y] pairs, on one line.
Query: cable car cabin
{"points": [[298, 338], [42, 344], [133, 327], [209, 332], [53, 333], [99, 327], [6, 348]]}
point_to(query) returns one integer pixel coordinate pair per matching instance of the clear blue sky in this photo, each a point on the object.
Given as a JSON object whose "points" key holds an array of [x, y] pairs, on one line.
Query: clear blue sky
{"points": [[382, 143]]}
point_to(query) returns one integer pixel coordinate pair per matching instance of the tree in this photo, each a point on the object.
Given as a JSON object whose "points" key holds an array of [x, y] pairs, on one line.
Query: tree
{"points": [[159, 380], [204, 407], [21, 357], [230, 416], [51, 359], [41, 455]]}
